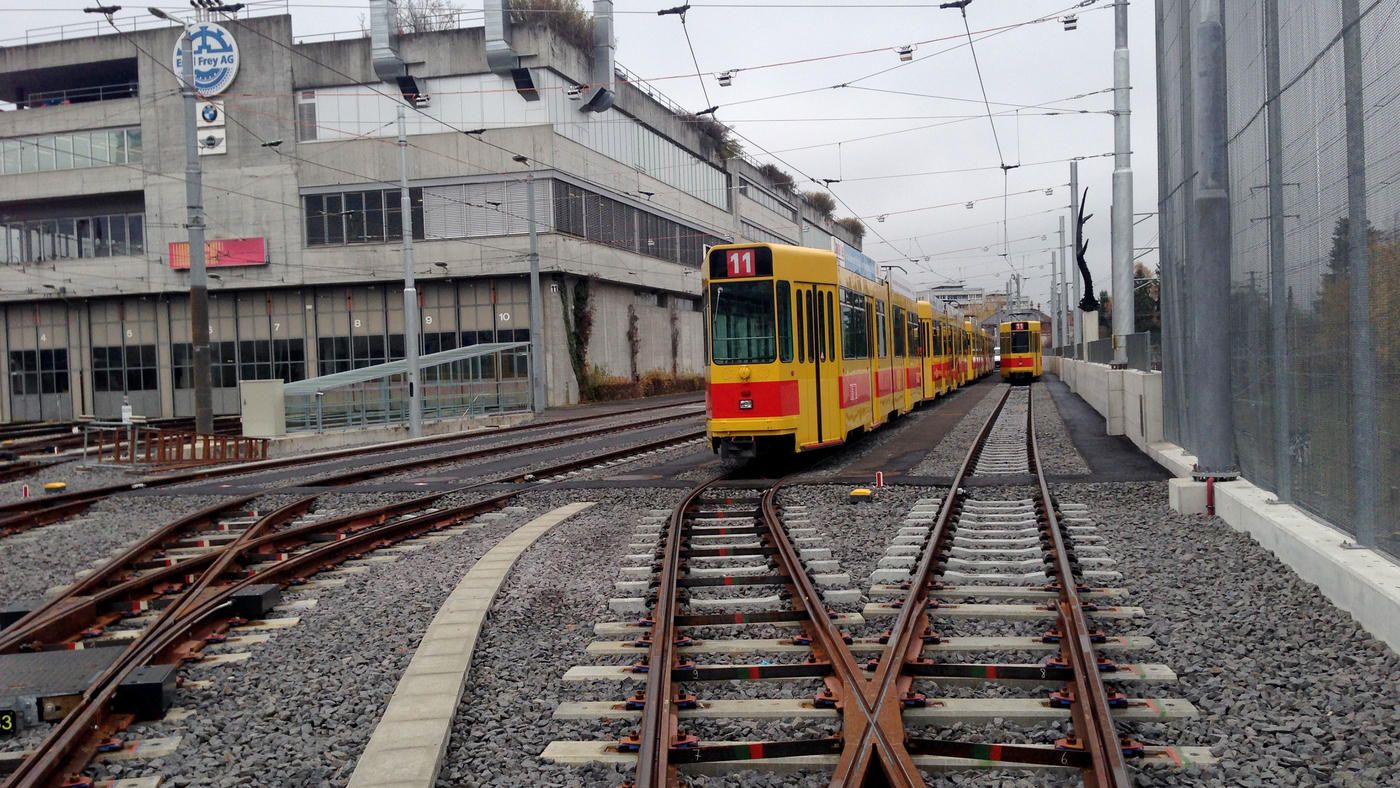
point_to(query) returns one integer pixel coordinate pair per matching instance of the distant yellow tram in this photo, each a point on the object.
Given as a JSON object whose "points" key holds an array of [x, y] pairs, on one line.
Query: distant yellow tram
{"points": [[1020, 350], [808, 346]]}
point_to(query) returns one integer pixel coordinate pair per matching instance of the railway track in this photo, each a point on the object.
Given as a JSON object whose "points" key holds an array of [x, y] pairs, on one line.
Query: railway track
{"points": [[23, 515], [182, 587], [953, 555]]}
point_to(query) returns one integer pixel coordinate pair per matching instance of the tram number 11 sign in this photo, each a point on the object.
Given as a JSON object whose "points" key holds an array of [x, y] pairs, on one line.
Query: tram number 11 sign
{"points": [[739, 262]]}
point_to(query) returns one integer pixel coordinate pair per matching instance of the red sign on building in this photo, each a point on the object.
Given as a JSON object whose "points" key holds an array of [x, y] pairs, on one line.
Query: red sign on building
{"points": [[222, 253]]}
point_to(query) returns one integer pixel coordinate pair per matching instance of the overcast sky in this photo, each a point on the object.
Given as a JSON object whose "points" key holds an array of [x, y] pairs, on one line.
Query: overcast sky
{"points": [[827, 133]]}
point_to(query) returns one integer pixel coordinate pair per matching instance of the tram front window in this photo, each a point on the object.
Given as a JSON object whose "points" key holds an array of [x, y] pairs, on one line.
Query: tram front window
{"points": [[742, 315], [1020, 341]]}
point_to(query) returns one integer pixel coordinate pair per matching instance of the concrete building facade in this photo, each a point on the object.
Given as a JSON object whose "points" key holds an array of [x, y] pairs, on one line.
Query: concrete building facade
{"points": [[304, 227]]}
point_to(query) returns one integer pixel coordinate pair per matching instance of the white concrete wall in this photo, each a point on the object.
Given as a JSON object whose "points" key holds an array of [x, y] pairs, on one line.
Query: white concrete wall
{"points": [[1129, 400]]}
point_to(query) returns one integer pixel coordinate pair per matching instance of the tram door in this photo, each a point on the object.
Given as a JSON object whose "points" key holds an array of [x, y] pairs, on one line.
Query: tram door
{"points": [[818, 362]]}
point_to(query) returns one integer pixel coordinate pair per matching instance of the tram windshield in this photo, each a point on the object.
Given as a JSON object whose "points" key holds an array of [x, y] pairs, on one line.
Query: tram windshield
{"points": [[742, 322], [1020, 341]]}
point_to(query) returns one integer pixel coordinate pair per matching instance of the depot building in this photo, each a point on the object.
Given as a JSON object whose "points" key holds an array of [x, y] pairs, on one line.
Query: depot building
{"points": [[298, 147]]}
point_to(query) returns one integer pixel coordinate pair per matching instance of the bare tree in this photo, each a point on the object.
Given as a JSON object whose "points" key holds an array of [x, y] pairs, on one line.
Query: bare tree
{"points": [[424, 16]]}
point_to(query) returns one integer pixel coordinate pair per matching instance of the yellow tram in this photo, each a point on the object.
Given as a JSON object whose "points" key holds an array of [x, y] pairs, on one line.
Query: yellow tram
{"points": [[808, 346], [1020, 350]]}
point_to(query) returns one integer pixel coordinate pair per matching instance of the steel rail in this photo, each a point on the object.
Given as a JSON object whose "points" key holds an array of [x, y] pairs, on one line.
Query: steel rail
{"points": [[858, 715], [67, 503], [104, 586], [21, 515], [660, 714], [854, 766], [1094, 728], [74, 738]]}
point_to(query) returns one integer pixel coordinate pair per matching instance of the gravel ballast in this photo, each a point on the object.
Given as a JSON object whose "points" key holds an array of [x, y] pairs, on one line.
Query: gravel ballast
{"points": [[539, 627], [948, 454], [1291, 690], [1057, 452], [300, 710], [40, 558]]}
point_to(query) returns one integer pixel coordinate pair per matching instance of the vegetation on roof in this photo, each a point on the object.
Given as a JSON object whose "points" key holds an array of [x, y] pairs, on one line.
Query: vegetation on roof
{"points": [[854, 226], [778, 177], [822, 201], [565, 18], [718, 136]]}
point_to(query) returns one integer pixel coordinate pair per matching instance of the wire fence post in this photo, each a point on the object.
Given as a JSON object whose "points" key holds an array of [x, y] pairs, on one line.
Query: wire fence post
{"points": [[1363, 344], [1210, 324], [1278, 276]]}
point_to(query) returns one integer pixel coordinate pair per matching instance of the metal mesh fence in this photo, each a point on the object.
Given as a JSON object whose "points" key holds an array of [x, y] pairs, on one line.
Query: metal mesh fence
{"points": [[1314, 152]]}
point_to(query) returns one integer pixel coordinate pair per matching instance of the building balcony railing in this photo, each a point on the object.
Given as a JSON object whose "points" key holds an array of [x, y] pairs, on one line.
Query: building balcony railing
{"points": [[83, 95]]}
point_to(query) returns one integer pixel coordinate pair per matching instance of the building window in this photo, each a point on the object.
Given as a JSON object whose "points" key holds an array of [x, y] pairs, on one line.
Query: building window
{"points": [[121, 369], [767, 199], [584, 214], [360, 217], [70, 151], [46, 369], [69, 237]]}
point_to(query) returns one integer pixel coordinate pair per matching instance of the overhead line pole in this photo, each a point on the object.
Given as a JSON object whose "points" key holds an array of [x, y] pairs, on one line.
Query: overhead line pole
{"points": [[410, 292], [194, 225], [1065, 265], [1079, 337], [1122, 227]]}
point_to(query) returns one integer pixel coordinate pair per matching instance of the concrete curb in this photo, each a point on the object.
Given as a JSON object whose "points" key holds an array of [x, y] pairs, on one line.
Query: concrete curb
{"points": [[408, 744]]}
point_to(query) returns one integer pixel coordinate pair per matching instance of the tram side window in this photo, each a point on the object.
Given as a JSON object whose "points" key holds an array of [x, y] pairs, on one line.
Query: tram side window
{"points": [[855, 330], [881, 342], [743, 322], [784, 321], [801, 331], [900, 330], [829, 350]]}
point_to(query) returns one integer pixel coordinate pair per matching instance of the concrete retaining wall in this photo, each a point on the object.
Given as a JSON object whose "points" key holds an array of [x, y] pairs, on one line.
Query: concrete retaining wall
{"points": [[1129, 400]]}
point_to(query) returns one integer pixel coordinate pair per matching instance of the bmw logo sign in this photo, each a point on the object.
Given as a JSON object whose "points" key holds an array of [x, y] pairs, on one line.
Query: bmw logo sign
{"points": [[215, 58], [210, 113]]}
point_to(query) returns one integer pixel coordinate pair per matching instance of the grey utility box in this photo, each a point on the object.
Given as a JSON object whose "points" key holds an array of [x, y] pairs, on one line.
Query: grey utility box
{"points": [[264, 408]]}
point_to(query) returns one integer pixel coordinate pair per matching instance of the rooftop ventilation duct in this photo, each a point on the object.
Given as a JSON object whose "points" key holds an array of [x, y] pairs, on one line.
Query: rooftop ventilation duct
{"points": [[603, 85], [500, 56], [384, 40]]}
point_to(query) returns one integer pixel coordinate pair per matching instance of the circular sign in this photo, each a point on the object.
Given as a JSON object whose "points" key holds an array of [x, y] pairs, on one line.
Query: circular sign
{"points": [[209, 113], [215, 58]]}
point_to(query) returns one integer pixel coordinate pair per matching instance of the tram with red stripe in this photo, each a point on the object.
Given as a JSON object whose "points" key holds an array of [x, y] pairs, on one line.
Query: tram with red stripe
{"points": [[807, 347], [1020, 350]]}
